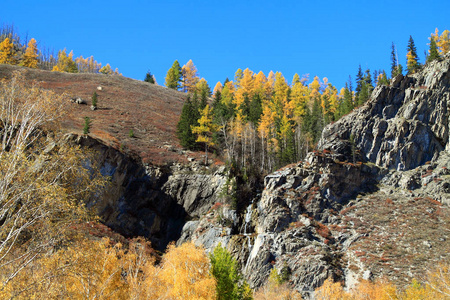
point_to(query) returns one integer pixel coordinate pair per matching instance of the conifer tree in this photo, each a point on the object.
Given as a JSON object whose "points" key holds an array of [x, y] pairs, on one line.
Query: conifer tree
{"points": [[174, 76], [7, 52], [107, 70], [31, 54], [359, 81], [205, 129], [149, 77], [65, 63], [230, 283], [190, 77], [394, 61], [412, 64], [433, 53], [188, 118]]}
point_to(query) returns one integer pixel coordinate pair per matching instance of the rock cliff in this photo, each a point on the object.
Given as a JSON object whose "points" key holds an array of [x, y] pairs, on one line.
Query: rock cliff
{"points": [[371, 201]]}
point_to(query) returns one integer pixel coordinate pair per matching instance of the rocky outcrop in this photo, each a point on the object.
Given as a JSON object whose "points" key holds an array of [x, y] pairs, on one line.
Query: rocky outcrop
{"points": [[371, 201], [153, 201], [402, 126]]}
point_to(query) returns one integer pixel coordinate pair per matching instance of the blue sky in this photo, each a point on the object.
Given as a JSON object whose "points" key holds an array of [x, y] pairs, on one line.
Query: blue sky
{"points": [[325, 38]]}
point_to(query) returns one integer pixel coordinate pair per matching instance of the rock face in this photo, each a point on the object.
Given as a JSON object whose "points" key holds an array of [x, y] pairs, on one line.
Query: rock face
{"points": [[371, 201], [403, 125], [150, 201]]}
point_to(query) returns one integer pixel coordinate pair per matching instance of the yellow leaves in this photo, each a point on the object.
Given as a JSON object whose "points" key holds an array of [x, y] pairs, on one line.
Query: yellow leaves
{"points": [[7, 52], [205, 127], [190, 76], [44, 180], [442, 41], [31, 54], [65, 63], [274, 289], [217, 88], [185, 273]]}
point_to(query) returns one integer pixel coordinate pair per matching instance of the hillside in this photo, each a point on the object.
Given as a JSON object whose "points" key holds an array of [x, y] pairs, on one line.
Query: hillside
{"points": [[124, 104]]}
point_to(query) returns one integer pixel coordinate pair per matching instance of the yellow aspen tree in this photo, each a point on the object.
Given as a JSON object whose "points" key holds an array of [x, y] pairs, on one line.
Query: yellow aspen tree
{"points": [[280, 97], [205, 129], [275, 289], [259, 83], [245, 88], [30, 57], [217, 88], [185, 274], [228, 94], [268, 87], [299, 98], [378, 290], [237, 78], [7, 52], [442, 41], [106, 70], [190, 76], [267, 133], [203, 87], [331, 290], [65, 63], [314, 87]]}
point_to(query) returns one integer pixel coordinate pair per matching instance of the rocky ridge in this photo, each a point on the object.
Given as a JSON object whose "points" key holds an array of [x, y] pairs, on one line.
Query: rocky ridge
{"points": [[372, 201]]}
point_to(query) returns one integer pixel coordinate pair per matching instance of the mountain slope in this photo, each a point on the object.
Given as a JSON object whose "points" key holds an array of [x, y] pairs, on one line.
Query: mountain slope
{"points": [[124, 104]]}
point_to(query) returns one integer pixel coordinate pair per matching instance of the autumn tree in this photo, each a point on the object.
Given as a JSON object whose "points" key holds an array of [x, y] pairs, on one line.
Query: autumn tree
{"points": [[185, 274], [225, 269], [276, 288], [205, 130], [7, 52], [43, 180], [442, 41], [30, 57], [65, 63], [174, 76], [107, 70], [190, 76]]}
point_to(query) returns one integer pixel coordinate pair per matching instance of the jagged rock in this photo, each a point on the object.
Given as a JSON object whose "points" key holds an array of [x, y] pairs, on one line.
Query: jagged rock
{"points": [[402, 126]]}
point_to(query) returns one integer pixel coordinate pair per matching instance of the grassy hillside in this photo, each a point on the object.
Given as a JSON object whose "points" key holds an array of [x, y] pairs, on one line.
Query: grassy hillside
{"points": [[150, 111]]}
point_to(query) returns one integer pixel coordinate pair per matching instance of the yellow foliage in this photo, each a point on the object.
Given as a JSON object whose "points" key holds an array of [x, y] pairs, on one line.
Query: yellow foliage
{"points": [[7, 52], [275, 290], [442, 41], [42, 191], [331, 290], [31, 54], [217, 87], [185, 273], [190, 76], [65, 63]]}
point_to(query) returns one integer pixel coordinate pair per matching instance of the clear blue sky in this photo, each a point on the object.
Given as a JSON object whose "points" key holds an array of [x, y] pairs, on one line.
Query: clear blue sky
{"points": [[325, 38]]}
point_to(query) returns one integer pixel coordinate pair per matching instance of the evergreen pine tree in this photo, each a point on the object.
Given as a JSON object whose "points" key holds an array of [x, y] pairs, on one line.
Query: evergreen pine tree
{"points": [[174, 76], [149, 78], [94, 99], [433, 52], [359, 81], [255, 110], [230, 282], [348, 100], [394, 61], [188, 118]]}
